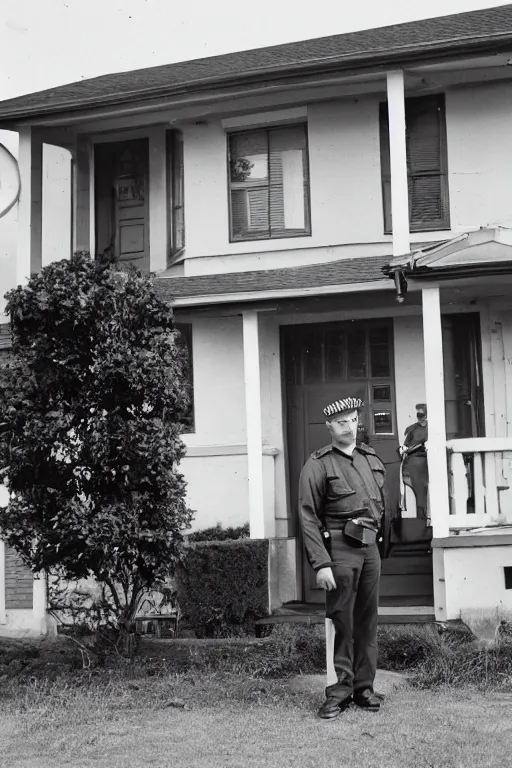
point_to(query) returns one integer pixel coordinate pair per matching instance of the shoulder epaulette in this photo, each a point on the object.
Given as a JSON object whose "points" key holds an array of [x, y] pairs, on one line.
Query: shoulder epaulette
{"points": [[363, 448], [321, 452]]}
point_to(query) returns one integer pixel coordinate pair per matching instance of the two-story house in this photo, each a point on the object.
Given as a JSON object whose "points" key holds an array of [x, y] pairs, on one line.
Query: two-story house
{"points": [[326, 217]]}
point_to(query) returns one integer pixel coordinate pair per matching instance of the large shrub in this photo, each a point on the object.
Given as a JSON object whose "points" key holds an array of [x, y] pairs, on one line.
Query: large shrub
{"points": [[223, 586], [91, 405]]}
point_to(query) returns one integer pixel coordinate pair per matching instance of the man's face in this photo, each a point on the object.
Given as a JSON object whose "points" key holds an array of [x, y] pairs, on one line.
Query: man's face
{"points": [[343, 427]]}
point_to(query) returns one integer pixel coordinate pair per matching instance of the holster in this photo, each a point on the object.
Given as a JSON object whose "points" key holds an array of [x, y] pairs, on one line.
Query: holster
{"points": [[326, 538], [359, 533]]}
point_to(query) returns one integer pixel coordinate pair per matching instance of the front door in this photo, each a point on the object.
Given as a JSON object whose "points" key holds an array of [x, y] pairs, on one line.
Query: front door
{"points": [[327, 361], [122, 200]]}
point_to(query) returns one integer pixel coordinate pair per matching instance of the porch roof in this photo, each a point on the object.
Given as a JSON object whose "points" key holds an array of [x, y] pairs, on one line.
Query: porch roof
{"points": [[330, 277], [486, 251], [481, 31]]}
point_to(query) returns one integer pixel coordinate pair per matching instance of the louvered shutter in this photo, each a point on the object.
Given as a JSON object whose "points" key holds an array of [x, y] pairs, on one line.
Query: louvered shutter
{"points": [[426, 164]]}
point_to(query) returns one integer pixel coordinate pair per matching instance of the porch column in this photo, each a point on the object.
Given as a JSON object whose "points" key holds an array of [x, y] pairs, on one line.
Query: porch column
{"points": [[40, 601], [158, 215], [30, 206], [2, 581], [83, 197], [398, 163], [253, 421], [434, 385]]}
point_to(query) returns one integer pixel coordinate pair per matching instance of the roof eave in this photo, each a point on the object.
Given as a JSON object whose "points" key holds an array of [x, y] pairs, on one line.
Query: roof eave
{"points": [[448, 50], [281, 293]]}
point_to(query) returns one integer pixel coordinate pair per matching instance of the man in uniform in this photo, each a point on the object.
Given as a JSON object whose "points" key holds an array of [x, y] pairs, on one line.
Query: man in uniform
{"points": [[341, 497]]}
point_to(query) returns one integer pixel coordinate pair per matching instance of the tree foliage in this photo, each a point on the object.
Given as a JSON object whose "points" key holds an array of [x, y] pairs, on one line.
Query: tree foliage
{"points": [[91, 406]]}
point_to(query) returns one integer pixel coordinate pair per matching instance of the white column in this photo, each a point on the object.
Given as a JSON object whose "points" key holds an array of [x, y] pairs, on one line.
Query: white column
{"points": [[158, 199], [434, 386], [2, 582], [253, 422], [30, 206], [40, 602], [82, 202], [398, 163]]}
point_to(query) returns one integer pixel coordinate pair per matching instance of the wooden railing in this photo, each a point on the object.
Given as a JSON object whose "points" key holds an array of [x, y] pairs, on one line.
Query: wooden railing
{"points": [[480, 475]]}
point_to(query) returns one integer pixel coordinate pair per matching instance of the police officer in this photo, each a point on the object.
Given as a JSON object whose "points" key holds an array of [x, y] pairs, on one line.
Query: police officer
{"points": [[341, 497]]}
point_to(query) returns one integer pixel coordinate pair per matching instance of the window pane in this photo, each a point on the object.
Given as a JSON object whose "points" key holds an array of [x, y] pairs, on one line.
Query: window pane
{"points": [[185, 330], [382, 393], [178, 222], [248, 154], [382, 423], [356, 352], [287, 180]]}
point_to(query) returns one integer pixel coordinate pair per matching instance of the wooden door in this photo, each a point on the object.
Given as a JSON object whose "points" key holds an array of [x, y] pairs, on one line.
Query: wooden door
{"points": [[327, 361], [122, 200]]}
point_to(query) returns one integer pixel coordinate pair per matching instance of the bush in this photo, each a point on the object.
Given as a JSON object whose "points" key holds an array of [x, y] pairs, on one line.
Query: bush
{"points": [[217, 533], [223, 586]]}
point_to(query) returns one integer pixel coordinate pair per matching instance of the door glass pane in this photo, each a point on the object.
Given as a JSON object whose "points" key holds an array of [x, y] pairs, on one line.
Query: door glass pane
{"points": [[382, 393], [379, 352], [356, 354], [382, 423], [333, 355]]}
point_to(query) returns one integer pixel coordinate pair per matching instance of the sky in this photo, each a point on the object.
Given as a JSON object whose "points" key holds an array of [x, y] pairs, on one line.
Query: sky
{"points": [[45, 43]]}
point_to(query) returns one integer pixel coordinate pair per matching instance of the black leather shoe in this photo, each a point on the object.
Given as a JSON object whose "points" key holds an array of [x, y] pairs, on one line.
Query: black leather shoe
{"points": [[332, 708], [367, 700]]}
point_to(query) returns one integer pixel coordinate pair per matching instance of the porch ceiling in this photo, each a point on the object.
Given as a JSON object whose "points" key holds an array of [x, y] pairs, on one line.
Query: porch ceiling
{"points": [[344, 275], [482, 32]]}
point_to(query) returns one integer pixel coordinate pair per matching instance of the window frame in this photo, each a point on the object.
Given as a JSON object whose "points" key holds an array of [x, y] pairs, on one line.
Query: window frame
{"points": [[307, 231], [175, 177], [186, 333], [442, 224]]}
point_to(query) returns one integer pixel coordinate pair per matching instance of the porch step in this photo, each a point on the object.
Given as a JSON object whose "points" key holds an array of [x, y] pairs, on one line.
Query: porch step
{"points": [[314, 613]]}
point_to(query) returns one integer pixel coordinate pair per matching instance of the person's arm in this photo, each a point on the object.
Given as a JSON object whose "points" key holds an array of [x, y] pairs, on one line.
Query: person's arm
{"points": [[312, 488]]}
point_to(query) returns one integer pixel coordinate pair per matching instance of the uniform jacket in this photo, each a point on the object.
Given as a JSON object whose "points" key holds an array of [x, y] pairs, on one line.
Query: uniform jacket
{"points": [[334, 488]]}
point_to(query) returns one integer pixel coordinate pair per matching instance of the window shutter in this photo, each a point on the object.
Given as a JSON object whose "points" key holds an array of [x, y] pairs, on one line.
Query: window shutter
{"points": [[426, 164], [385, 166]]}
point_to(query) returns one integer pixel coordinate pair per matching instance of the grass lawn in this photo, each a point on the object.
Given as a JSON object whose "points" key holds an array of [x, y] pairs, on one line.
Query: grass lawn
{"points": [[217, 719]]}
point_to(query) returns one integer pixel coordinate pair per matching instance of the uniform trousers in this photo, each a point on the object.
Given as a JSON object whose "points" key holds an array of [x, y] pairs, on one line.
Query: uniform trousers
{"points": [[353, 609]]}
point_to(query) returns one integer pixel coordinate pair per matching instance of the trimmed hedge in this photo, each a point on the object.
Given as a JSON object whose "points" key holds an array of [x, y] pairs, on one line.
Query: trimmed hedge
{"points": [[218, 533], [223, 586]]}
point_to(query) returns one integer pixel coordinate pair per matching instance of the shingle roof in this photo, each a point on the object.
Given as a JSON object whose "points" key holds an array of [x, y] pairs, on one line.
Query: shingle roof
{"points": [[396, 43], [342, 272]]}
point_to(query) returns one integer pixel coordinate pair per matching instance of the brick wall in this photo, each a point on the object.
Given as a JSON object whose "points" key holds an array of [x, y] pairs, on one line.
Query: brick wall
{"points": [[18, 582]]}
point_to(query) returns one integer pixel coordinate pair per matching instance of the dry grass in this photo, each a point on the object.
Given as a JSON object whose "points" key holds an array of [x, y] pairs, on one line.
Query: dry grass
{"points": [[234, 721], [231, 703]]}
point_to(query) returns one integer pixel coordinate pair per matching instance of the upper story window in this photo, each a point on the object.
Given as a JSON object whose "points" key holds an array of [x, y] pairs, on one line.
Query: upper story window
{"points": [[185, 330], [269, 183], [427, 164], [175, 194]]}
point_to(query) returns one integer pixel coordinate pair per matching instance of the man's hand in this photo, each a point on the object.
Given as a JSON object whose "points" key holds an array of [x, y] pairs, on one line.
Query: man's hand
{"points": [[325, 579]]}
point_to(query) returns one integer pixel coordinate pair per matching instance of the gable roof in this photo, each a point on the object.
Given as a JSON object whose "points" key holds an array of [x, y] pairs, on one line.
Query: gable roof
{"points": [[269, 283], [475, 30]]}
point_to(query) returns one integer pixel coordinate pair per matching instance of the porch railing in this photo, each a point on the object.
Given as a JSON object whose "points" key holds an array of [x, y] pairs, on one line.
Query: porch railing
{"points": [[480, 475]]}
